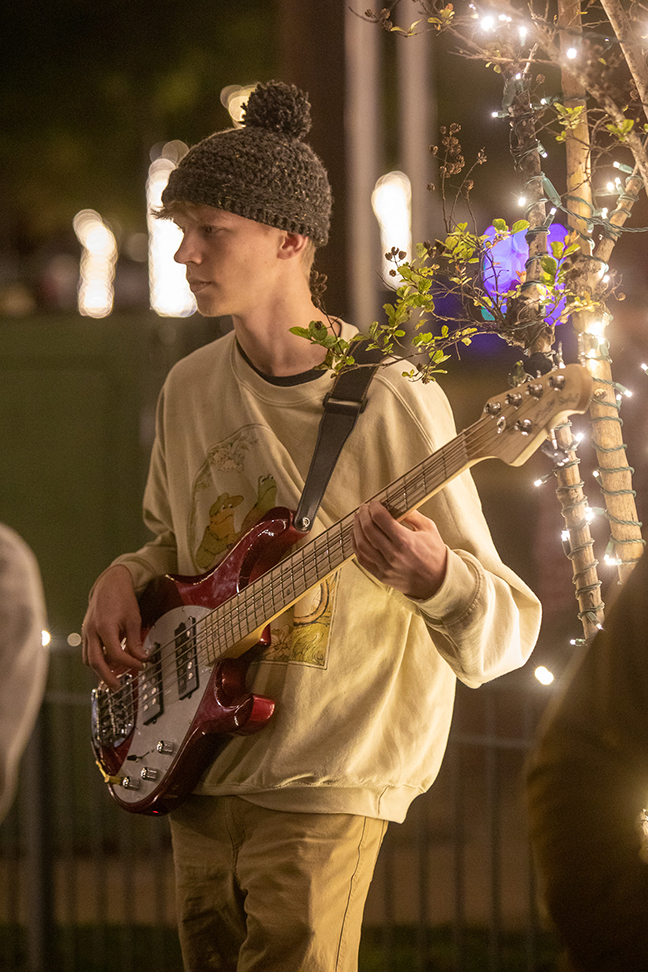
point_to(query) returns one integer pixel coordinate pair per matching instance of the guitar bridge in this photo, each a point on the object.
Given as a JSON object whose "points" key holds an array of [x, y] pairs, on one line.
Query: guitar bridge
{"points": [[113, 713]]}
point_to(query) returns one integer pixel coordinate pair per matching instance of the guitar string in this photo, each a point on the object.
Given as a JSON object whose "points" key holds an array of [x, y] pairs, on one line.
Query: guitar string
{"points": [[303, 557], [260, 586], [307, 557]]}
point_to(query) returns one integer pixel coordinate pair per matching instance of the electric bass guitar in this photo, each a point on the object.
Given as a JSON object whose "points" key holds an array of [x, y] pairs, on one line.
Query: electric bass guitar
{"points": [[155, 735]]}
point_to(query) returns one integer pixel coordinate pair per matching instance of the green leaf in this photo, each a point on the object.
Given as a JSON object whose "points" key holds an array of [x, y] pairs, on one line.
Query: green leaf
{"points": [[549, 265], [521, 224], [500, 226]]}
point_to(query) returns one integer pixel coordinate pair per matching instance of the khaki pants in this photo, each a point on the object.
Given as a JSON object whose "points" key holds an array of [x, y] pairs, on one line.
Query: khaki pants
{"points": [[268, 891]]}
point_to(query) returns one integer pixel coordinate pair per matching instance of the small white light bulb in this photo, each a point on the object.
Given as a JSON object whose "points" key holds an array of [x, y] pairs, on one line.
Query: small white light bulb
{"points": [[544, 676]]}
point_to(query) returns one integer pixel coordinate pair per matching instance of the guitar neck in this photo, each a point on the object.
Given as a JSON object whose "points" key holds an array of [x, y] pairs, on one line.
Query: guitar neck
{"points": [[275, 591]]}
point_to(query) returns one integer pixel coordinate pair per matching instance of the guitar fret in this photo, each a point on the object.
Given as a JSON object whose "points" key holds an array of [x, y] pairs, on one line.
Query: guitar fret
{"points": [[287, 591], [346, 536], [322, 555], [248, 603], [339, 542], [267, 595], [301, 583]]}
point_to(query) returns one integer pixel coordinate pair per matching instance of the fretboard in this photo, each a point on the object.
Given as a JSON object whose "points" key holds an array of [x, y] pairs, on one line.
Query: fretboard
{"points": [[305, 568]]}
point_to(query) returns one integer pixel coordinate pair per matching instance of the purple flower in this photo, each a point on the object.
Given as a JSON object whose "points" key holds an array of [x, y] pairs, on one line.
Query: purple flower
{"points": [[504, 266]]}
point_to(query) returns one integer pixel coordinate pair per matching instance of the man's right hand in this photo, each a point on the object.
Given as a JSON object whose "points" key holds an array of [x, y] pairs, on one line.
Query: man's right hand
{"points": [[112, 627]]}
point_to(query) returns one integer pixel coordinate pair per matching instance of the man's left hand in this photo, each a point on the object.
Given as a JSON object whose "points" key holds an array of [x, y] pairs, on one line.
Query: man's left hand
{"points": [[408, 555]]}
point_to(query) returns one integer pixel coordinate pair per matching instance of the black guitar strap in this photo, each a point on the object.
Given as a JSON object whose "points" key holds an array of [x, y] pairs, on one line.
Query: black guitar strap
{"points": [[342, 406]]}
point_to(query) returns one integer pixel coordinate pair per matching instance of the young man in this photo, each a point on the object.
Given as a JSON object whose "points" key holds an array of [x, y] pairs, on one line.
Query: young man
{"points": [[275, 849]]}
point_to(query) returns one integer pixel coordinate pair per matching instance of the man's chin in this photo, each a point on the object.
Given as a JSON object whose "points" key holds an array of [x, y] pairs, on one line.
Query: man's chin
{"points": [[207, 308]]}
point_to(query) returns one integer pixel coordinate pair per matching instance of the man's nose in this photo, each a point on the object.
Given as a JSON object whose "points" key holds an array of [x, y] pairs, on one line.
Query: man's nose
{"points": [[186, 253]]}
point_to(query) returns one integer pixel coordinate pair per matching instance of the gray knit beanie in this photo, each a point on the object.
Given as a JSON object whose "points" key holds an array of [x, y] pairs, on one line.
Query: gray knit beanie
{"points": [[263, 171]]}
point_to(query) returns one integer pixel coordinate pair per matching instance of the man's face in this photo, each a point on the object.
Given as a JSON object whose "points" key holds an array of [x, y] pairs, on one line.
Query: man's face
{"points": [[231, 262]]}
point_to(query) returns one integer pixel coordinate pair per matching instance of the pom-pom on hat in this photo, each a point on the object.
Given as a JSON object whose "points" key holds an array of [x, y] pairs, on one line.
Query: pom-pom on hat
{"points": [[264, 170]]}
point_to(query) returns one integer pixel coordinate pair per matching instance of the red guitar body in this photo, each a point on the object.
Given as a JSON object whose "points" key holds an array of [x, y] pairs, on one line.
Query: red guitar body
{"points": [[154, 737]]}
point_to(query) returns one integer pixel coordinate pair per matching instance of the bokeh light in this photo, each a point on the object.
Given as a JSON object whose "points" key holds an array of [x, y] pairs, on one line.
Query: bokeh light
{"points": [[98, 259], [392, 205]]}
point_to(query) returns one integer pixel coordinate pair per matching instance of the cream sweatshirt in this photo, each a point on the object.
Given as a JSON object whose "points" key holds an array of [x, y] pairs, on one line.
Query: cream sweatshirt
{"points": [[362, 676]]}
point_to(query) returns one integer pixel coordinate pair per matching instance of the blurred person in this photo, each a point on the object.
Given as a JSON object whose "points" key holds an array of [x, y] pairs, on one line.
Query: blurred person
{"points": [[275, 849], [23, 659], [588, 790]]}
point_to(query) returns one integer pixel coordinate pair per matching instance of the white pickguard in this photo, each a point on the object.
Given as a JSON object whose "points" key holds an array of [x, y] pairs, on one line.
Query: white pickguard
{"points": [[177, 714]]}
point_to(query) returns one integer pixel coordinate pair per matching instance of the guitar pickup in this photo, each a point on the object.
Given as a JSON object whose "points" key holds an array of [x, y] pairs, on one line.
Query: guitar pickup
{"points": [[151, 697], [186, 658]]}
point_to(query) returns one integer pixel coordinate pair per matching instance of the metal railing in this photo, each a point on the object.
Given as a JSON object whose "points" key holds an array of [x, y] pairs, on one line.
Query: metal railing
{"points": [[88, 888]]}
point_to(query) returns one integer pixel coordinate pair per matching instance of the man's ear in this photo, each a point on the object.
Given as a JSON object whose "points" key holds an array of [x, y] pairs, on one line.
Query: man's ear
{"points": [[292, 245]]}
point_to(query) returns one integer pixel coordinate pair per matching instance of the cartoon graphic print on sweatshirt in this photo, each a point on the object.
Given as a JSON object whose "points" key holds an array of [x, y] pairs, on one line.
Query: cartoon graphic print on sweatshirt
{"points": [[230, 495]]}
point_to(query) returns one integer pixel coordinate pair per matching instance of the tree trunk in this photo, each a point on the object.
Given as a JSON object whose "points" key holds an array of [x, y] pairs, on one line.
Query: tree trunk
{"points": [[615, 474]]}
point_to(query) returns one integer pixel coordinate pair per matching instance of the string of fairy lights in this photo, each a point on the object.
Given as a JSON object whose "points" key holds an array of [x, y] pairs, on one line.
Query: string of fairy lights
{"points": [[601, 218]]}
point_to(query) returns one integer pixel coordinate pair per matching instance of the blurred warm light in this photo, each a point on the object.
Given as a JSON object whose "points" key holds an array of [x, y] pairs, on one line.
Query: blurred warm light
{"points": [[572, 53], [596, 328], [544, 675], [169, 292], [392, 205], [45, 638], [97, 270], [234, 97], [74, 639]]}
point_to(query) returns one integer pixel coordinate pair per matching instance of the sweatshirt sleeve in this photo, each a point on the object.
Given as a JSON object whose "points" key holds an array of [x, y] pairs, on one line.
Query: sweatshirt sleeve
{"points": [[159, 555], [483, 620]]}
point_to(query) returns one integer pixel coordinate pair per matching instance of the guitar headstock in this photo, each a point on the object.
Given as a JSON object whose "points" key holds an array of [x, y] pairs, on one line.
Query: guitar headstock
{"points": [[516, 422]]}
